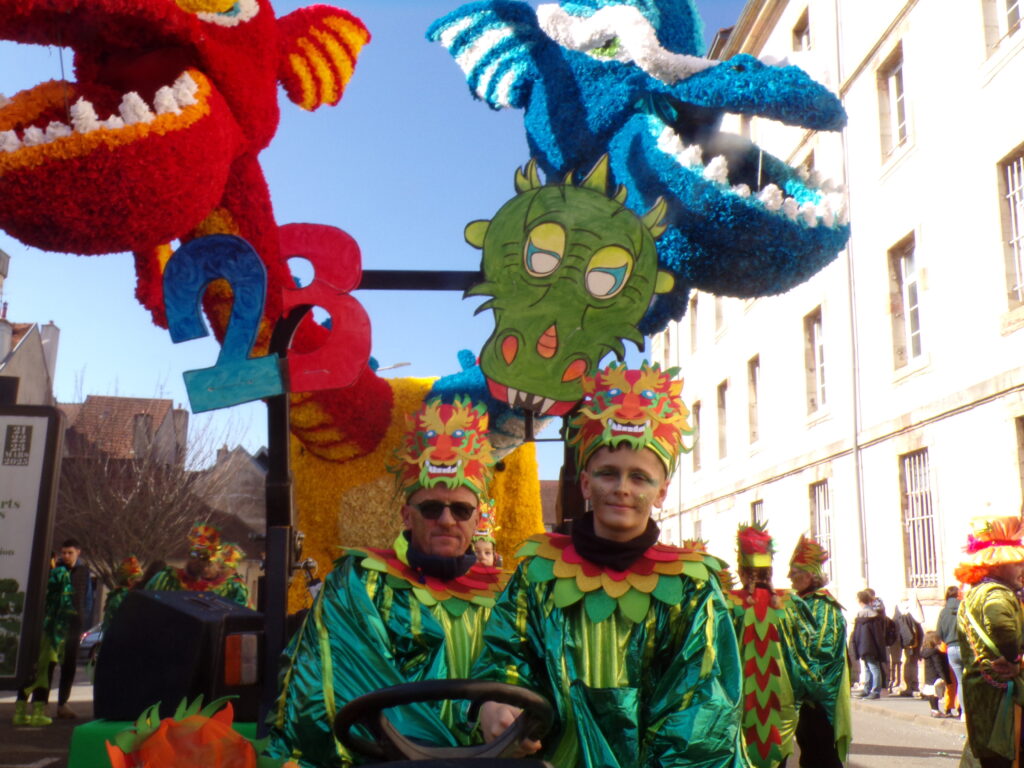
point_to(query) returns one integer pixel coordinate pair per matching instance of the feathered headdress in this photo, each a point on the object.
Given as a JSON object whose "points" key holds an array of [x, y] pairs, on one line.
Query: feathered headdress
{"points": [[129, 571], [754, 546], [204, 538], [810, 557], [992, 541], [232, 555], [639, 407], [445, 445]]}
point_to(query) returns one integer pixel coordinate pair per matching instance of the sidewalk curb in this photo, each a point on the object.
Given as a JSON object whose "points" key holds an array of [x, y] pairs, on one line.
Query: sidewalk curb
{"points": [[923, 718]]}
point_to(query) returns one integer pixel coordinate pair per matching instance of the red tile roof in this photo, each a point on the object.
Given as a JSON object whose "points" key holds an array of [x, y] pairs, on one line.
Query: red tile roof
{"points": [[108, 423]]}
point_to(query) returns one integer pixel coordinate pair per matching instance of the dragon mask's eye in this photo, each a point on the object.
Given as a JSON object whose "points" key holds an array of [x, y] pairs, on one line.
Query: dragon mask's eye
{"points": [[544, 249], [607, 50], [608, 271]]}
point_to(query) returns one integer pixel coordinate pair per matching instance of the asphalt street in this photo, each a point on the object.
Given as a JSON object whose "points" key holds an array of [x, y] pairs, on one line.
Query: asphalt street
{"points": [[890, 731]]}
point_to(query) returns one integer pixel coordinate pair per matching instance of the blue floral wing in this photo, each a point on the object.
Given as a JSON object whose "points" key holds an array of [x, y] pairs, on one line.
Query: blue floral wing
{"points": [[494, 43]]}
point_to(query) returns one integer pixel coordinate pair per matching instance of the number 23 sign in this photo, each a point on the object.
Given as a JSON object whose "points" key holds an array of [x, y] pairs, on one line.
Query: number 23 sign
{"points": [[236, 377]]}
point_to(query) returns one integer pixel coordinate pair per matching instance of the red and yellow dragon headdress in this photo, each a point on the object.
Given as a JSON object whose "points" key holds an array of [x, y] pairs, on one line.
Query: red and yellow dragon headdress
{"points": [[993, 541], [639, 407], [810, 557], [445, 445], [754, 546], [204, 538], [129, 571]]}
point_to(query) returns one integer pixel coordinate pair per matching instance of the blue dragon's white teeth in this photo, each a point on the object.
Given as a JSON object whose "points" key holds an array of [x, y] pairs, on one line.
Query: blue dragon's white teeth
{"points": [[771, 197], [741, 190], [717, 170], [809, 213]]}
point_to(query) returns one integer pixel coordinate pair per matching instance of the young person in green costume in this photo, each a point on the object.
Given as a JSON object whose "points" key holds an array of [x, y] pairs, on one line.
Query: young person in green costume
{"points": [[415, 612], [824, 728], [990, 625], [629, 639]]}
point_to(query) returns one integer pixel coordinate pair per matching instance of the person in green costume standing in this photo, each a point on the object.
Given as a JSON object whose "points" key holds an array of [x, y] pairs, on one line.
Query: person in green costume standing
{"points": [[629, 639], [211, 567], [414, 612], [824, 728], [127, 575], [59, 609], [990, 625]]}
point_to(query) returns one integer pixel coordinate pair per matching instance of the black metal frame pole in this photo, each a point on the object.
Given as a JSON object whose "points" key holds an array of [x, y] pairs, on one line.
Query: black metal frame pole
{"points": [[278, 555]]}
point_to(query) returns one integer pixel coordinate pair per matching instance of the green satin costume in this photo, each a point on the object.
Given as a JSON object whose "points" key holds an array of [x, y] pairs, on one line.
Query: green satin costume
{"points": [[176, 579], [58, 610], [774, 642], [989, 701], [829, 681], [374, 624], [640, 666]]}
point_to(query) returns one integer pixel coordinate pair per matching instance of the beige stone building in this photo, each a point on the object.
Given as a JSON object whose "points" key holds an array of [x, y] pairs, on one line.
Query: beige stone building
{"points": [[880, 405]]}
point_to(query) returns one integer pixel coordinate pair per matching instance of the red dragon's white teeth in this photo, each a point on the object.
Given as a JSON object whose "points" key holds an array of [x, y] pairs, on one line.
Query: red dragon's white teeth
{"points": [[84, 119]]}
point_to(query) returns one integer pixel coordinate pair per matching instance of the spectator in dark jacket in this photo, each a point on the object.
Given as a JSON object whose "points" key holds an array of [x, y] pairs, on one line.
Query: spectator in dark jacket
{"points": [[70, 558], [947, 631], [869, 644], [936, 671]]}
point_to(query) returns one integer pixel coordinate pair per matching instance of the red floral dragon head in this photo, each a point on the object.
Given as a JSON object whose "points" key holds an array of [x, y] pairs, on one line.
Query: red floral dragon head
{"points": [[157, 138]]}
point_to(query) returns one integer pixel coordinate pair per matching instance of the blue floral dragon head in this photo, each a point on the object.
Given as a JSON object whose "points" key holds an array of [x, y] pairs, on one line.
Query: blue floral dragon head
{"points": [[626, 78]]}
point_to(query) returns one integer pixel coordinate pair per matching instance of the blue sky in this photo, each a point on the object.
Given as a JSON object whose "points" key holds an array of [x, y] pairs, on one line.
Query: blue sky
{"points": [[402, 164]]}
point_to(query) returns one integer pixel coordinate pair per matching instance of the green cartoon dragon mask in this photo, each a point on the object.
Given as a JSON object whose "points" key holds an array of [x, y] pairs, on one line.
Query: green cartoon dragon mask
{"points": [[570, 271]]}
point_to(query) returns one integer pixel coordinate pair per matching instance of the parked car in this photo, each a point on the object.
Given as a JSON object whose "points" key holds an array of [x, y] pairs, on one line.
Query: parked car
{"points": [[90, 643]]}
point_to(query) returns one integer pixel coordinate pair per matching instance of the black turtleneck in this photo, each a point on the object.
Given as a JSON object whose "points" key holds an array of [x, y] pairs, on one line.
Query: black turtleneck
{"points": [[617, 555], [443, 568]]}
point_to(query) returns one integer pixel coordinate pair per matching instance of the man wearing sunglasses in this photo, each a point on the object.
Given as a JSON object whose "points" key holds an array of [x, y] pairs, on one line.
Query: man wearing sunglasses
{"points": [[414, 612]]}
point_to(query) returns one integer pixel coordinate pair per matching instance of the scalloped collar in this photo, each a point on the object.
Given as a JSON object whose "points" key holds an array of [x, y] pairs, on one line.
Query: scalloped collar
{"points": [[479, 585], [656, 574]]}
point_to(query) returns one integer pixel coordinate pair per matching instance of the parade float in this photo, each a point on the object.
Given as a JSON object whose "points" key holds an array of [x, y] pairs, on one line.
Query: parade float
{"points": [[632, 197]]}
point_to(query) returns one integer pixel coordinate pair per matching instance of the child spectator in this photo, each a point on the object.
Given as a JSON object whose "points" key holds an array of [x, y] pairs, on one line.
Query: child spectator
{"points": [[937, 672]]}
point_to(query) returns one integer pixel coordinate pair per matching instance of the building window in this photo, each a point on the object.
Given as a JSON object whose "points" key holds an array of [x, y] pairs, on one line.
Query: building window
{"points": [[918, 521], [814, 358], [667, 349], [904, 303], [756, 512], [753, 387], [693, 324], [892, 107], [697, 528], [821, 519], [719, 313], [723, 391], [1002, 19], [1012, 181], [695, 453], [802, 33]]}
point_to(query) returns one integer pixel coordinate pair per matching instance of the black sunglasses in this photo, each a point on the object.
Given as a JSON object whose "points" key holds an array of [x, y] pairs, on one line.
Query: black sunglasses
{"points": [[432, 510]]}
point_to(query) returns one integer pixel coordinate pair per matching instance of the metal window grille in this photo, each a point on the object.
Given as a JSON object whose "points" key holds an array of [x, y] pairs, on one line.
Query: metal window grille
{"points": [[1012, 16], [918, 521], [693, 324], [756, 511], [821, 519], [1015, 210]]}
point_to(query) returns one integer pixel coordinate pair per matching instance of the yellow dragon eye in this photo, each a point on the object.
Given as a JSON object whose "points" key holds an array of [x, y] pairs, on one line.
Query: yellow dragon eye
{"points": [[544, 249], [608, 271], [205, 6]]}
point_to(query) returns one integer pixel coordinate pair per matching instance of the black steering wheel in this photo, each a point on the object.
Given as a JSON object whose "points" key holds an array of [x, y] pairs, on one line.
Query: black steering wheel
{"points": [[533, 723]]}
